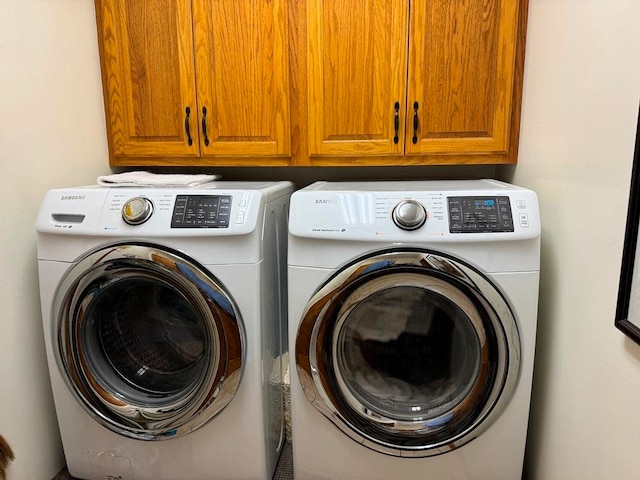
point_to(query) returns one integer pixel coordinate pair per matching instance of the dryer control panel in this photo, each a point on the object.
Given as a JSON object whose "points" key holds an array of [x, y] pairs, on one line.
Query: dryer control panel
{"points": [[479, 214], [434, 211]]}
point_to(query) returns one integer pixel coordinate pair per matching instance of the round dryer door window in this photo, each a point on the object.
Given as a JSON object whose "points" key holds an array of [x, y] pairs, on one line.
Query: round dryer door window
{"points": [[148, 340], [409, 352]]}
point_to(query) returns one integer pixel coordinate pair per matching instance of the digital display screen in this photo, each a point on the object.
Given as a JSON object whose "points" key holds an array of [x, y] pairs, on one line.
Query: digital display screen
{"points": [[479, 214], [485, 203], [201, 211]]}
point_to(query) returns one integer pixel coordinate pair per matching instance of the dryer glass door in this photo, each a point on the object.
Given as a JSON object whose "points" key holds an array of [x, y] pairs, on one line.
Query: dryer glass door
{"points": [[148, 340], [412, 353]]}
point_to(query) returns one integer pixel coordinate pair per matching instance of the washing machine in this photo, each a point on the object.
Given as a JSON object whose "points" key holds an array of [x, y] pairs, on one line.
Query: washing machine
{"points": [[164, 318], [412, 324]]}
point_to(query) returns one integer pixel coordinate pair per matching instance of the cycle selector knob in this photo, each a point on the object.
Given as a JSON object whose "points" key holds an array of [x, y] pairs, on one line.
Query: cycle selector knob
{"points": [[409, 215], [137, 210]]}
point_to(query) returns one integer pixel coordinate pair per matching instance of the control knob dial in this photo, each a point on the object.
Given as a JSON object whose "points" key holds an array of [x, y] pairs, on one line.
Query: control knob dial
{"points": [[409, 215], [137, 210]]}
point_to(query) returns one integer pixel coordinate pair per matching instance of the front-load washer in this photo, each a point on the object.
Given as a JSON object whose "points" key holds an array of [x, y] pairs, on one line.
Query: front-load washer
{"points": [[164, 319], [412, 322]]}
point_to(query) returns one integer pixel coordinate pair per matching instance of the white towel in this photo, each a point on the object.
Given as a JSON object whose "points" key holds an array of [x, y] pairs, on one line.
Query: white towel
{"points": [[148, 179]]}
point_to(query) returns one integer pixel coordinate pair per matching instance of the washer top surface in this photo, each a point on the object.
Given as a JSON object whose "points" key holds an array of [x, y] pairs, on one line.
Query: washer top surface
{"points": [[75, 220], [217, 208], [213, 185]]}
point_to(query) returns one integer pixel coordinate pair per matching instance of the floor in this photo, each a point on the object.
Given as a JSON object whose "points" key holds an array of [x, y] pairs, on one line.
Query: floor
{"points": [[284, 471]]}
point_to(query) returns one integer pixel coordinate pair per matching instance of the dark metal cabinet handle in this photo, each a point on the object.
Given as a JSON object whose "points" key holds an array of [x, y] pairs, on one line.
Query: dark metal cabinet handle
{"points": [[204, 126], [415, 122], [396, 122], [187, 126]]}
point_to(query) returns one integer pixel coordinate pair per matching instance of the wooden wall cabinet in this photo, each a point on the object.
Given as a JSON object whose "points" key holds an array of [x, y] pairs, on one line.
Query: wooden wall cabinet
{"points": [[415, 81], [312, 82], [189, 80]]}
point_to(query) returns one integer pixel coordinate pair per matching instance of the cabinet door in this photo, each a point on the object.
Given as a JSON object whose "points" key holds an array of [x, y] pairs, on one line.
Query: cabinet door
{"points": [[356, 76], [242, 63], [148, 77], [462, 57]]}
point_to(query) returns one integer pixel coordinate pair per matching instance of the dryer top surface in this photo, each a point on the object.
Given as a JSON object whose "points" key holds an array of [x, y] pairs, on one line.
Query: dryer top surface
{"points": [[490, 223], [410, 186], [449, 211]]}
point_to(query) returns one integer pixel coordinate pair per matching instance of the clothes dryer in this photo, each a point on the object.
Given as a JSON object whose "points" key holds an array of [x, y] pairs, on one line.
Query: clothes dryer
{"points": [[165, 324], [413, 309]]}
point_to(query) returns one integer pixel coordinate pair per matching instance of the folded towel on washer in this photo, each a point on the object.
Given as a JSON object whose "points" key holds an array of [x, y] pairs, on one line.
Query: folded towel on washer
{"points": [[148, 179]]}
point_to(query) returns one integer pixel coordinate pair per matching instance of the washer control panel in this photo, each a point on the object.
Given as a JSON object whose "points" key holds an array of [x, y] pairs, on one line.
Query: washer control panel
{"points": [[222, 209], [180, 212], [201, 211]]}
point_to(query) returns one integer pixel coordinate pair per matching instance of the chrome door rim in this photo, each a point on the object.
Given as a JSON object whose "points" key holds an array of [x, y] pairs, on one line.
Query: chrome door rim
{"points": [[217, 381], [328, 308]]}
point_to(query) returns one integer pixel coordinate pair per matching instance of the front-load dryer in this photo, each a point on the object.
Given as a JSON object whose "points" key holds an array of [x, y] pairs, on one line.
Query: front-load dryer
{"points": [[412, 322], [164, 319]]}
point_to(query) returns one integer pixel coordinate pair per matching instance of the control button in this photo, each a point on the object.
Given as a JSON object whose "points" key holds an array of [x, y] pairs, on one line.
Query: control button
{"points": [[240, 217], [409, 215], [521, 204], [524, 220], [137, 210]]}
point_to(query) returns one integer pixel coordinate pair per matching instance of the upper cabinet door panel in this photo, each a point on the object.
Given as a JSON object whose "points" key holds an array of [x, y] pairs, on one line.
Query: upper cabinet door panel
{"points": [[148, 76], [462, 57], [242, 63], [357, 53]]}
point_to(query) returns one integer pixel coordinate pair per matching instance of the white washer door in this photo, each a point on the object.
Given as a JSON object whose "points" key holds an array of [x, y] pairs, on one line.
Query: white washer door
{"points": [[148, 341], [409, 352]]}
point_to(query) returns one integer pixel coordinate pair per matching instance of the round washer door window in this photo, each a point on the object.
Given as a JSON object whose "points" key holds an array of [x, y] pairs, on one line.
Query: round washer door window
{"points": [[411, 353], [148, 340]]}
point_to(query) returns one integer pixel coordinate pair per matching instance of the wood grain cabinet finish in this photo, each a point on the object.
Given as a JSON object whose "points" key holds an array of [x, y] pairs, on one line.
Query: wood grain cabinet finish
{"points": [[188, 82], [417, 81], [311, 82]]}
